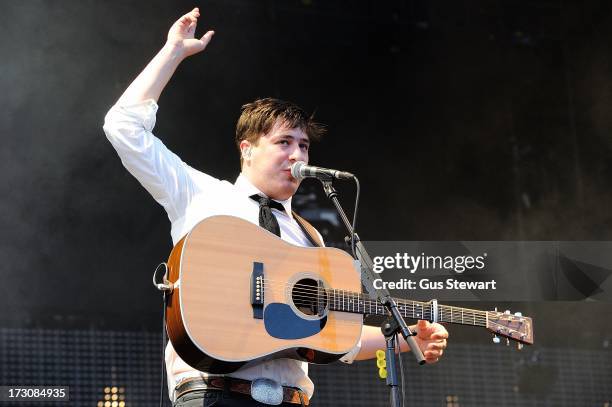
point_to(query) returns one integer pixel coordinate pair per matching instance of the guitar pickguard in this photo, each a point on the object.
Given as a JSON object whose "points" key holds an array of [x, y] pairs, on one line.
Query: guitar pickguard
{"points": [[282, 322]]}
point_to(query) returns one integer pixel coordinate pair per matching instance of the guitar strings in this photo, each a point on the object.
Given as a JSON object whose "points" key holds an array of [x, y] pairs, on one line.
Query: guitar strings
{"points": [[408, 311], [307, 293], [352, 299], [471, 321], [423, 312], [449, 313], [307, 288], [306, 297], [351, 295]]}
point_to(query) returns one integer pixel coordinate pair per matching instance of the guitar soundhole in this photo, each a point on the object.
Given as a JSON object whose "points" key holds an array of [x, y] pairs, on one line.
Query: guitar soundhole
{"points": [[309, 297]]}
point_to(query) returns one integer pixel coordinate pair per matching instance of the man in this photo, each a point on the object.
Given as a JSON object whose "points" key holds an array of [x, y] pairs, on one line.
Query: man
{"points": [[271, 135]]}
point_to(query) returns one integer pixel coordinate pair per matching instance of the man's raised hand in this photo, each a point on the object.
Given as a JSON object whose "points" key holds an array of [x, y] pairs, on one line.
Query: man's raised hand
{"points": [[181, 36]]}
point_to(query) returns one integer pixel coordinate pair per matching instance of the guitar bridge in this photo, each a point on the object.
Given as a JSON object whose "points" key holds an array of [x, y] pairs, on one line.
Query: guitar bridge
{"points": [[257, 290]]}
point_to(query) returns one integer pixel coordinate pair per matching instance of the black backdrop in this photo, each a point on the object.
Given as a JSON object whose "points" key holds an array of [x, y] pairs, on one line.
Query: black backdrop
{"points": [[483, 120]]}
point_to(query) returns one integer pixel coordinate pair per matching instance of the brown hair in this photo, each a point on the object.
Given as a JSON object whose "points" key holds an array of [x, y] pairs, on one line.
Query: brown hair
{"points": [[258, 117]]}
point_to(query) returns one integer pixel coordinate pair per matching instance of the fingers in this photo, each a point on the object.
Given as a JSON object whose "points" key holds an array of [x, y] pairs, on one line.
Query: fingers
{"points": [[432, 339], [440, 335], [207, 37], [422, 324], [438, 346], [435, 348], [190, 18], [438, 332], [433, 354], [424, 329], [181, 36]]}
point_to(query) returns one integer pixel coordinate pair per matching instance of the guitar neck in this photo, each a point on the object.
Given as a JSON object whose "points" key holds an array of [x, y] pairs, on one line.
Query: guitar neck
{"points": [[347, 301]]}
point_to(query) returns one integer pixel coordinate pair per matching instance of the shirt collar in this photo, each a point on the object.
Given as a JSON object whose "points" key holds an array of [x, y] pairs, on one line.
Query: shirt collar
{"points": [[245, 187]]}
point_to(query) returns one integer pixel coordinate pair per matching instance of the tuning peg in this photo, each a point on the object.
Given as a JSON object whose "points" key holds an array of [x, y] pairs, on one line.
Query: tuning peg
{"points": [[496, 339], [519, 346], [507, 342], [518, 314], [507, 312]]}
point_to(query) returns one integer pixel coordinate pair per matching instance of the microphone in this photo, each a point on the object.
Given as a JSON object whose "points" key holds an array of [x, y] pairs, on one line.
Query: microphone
{"points": [[300, 170]]}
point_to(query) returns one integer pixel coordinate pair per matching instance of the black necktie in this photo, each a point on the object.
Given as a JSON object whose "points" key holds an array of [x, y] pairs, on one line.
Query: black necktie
{"points": [[267, 220]]}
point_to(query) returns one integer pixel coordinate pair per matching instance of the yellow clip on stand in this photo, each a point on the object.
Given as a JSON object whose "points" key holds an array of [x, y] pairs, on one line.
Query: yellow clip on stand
{"points": [[381, 363]]}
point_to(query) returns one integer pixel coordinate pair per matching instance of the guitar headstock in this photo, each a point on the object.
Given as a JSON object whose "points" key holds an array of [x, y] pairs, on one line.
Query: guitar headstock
{"points": [[514, 327]]}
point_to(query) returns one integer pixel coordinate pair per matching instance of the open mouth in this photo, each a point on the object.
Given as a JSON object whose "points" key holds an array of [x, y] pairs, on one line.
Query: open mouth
{"points": [[288, 172]]}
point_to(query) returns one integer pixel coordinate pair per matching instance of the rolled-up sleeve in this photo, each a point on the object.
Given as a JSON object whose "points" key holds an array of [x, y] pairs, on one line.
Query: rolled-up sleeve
{"points": [[161, 172]]}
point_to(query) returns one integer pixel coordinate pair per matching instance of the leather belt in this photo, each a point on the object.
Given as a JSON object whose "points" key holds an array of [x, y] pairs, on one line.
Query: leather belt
{"points": [[290, 394]]}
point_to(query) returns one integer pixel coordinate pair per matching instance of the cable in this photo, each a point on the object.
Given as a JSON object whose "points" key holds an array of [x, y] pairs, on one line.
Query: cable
{"points": [[353, 236], [163, 367]]}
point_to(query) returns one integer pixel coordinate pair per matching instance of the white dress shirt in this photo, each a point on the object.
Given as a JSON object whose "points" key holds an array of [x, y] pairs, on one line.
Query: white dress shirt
{"points": [[189, 196]]}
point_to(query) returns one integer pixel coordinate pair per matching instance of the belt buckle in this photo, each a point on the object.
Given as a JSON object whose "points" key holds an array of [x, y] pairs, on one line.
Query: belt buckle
{"points": [[267, 391]]}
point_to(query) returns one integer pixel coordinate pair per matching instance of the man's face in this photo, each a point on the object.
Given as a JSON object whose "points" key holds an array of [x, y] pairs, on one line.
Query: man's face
{"points": [[269, 163]]}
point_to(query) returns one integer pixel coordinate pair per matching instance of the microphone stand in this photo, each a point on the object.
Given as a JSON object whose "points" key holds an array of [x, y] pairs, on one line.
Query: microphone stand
{"points": [[397, 324]]}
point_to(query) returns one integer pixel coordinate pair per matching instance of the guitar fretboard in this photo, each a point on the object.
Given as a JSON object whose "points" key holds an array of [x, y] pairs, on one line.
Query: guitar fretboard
{"points": [[358, 303]]}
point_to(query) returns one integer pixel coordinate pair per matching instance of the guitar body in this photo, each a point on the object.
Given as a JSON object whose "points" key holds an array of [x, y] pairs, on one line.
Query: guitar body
{"points": [[211, 320]]}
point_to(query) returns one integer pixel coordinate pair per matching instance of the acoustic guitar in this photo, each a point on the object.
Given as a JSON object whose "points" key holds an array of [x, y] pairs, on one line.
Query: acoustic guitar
{"points": [[240, 294]]}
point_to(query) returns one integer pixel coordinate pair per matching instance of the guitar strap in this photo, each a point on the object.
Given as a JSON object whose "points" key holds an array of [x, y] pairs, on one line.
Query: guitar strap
{"points": [[309, 230]]}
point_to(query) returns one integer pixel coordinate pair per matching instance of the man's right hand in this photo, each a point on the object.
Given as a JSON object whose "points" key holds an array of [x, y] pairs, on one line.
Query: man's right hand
{"points": [[181, 35], [181, 43]]}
